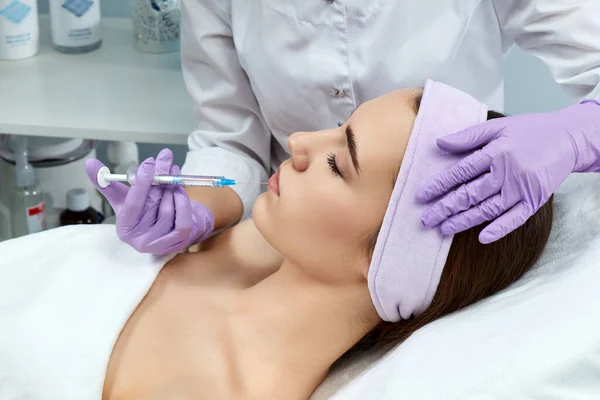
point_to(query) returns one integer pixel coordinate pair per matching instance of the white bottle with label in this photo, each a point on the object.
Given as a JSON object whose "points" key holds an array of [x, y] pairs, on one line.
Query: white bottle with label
{"points": [[27, 202], [75, 25], [19, 29]]}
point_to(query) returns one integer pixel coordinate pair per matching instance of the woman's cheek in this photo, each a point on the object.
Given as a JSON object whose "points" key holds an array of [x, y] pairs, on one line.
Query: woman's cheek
{"points": [[326, 207], [333, 218]]}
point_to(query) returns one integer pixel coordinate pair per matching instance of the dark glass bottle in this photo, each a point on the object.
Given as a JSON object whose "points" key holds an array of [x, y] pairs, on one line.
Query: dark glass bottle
{"points": [[78, 209]]}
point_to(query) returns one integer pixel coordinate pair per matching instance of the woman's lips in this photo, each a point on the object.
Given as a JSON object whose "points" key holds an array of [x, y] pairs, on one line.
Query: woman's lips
{"points": [[273, 183]]}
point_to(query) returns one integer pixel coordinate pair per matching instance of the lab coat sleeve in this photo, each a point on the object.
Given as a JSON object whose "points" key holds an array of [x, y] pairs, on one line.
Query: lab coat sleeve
{"points": [[564, 34], [230, 137]]}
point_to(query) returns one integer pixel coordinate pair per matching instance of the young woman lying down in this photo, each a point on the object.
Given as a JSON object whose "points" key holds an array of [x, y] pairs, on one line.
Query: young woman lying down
{"points": [[334, 260]]}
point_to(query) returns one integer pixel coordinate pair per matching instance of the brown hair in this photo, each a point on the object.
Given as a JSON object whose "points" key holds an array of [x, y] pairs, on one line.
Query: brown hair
{"points": [[473, 272]]}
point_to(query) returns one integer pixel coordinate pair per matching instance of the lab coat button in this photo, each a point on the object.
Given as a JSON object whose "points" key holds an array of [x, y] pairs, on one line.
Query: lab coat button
{"points": [[339, 92]]}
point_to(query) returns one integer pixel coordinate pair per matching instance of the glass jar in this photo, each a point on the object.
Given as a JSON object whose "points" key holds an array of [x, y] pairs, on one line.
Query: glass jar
{"points": [[156, 25]]}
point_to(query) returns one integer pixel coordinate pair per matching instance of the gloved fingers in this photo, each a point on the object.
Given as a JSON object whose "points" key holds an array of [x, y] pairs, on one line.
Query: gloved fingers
{"points": [[115, 193], [159, 221], [168, 244], [167, 210], [151, 221], [506, 223], [473, 137], [135, 202], [204, 221], [181, 235], [175, 170], [165, 219], [487, 210], [164, 160], [461, 172], [461, 199], [184, 221]]}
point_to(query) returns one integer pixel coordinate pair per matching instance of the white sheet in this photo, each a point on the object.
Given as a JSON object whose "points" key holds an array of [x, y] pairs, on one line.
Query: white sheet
{"points": [[538, 339], [65, 296]]}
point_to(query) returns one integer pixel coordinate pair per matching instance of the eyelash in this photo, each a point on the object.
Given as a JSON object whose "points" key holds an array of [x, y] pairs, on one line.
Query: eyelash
{"points": [[333, 166]]}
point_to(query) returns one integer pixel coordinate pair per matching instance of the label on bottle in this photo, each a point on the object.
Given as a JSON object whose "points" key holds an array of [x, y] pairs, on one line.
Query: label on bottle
{"points": [[36, 218], [19, 30], [75, 23]]}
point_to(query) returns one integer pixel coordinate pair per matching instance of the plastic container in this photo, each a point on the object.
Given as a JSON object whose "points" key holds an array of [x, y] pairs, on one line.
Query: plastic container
{"points": [[156, 25], [75, 25], [78, 209], [121, 156], [19, 29], [27, 200]]}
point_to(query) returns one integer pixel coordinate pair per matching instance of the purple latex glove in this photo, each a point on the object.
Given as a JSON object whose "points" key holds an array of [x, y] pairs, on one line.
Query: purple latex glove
{"points": [[155, 219], [520, 163]]}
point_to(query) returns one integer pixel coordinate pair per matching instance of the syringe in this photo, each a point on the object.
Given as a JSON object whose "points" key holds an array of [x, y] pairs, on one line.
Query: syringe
{"points": [[105, 177]]}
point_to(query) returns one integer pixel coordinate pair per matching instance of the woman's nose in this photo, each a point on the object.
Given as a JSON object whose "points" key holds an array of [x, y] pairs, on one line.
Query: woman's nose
{"points": [[298, 145]]}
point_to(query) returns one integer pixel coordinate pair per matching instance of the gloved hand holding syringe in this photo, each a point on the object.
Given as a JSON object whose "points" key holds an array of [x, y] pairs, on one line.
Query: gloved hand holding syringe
{"points": [[153, 211], [105, 177]]}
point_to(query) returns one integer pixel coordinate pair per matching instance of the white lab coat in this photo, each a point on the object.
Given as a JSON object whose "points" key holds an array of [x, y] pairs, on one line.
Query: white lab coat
{"points": [[259, 70]]}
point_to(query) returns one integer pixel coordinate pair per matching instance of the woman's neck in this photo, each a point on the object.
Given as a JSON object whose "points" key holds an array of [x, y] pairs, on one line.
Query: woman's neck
{"points": [[292, 327]]}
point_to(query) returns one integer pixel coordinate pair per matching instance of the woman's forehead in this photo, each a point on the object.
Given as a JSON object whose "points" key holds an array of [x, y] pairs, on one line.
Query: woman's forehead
{"points": [[383, 125], [408, 97]]}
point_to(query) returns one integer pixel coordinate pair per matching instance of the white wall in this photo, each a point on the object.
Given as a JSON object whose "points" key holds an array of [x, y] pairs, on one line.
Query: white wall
{"points": [[530, 86]]}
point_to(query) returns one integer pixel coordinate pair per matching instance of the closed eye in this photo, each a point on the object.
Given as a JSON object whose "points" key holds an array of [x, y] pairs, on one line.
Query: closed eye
{"points": [[333, 165]]}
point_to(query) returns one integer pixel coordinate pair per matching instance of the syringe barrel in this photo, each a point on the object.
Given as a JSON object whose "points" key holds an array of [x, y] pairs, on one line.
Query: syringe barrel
{"points": [[183, 180]]}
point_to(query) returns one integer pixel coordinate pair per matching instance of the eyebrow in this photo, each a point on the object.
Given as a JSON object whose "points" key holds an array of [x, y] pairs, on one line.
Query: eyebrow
{"points": [[352, 147]]}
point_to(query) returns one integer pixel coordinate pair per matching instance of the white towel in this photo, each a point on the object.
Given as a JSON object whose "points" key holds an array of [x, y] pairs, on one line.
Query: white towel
{"points": [[65, 296]]}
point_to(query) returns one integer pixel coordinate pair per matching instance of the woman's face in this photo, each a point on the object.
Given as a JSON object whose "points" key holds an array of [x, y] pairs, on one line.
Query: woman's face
{"points": [[330, 197]]}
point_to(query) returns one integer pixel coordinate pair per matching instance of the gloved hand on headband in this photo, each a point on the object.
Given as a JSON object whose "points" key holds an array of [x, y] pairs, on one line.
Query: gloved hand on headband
{"points": [[521, 162], [155, 219]]}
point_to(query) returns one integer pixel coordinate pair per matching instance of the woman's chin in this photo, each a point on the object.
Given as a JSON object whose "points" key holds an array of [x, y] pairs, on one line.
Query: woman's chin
{"points": [[263, 216], [258, 205], [262, 210]]}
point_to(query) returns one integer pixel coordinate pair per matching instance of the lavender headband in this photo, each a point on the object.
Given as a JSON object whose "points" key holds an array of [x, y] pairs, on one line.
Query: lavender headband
{"points": [[408, 259]]}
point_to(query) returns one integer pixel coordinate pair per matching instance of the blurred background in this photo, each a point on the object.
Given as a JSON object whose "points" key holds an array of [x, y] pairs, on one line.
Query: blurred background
{"points": [[529, 85]]}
